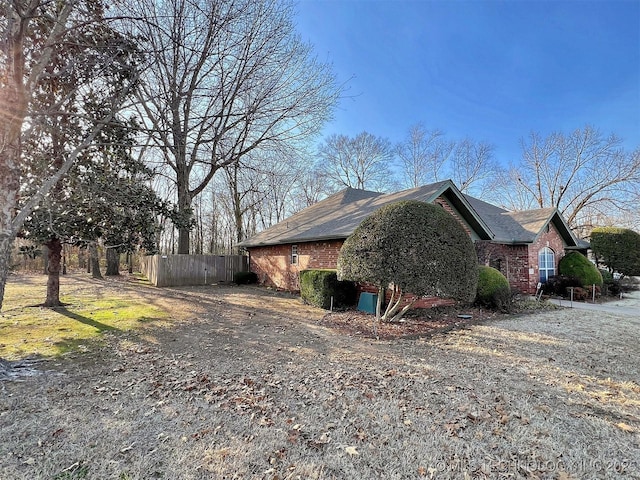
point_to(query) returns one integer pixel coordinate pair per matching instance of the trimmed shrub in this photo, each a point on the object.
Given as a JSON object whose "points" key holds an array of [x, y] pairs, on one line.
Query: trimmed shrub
{"points": [[245, 278], [617, 248], [493, 289], [318, 286], [417, 246], [576, 265]]}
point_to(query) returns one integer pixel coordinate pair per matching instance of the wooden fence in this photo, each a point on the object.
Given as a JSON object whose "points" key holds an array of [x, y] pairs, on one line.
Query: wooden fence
{"points": [[176, 270]]}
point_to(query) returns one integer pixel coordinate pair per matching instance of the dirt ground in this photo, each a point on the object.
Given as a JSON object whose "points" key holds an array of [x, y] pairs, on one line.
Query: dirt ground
{"points": [[250, 383]]}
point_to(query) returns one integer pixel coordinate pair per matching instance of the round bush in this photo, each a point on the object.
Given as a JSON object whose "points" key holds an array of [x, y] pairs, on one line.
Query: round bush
{"points": [[417, 246], [493, 288], [576, 265]]}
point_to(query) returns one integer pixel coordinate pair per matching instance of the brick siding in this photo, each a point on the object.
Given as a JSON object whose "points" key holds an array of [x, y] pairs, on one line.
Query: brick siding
{"points": [[519, 263], [273, 264], [511, 260], [452, 211]]}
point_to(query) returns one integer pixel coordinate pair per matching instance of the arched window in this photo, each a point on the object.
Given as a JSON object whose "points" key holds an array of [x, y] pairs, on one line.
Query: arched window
{"points": [[546, 264]]}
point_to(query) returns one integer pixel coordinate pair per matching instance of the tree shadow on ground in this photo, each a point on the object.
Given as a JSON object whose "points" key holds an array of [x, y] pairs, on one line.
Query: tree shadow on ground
{"points": [[101, 327]]}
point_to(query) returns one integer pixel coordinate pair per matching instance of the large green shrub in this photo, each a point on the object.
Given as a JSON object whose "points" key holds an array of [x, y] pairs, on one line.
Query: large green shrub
{"points": [[493, 288], [418, 247], [617, 248], [576, 265], [318, 286]]}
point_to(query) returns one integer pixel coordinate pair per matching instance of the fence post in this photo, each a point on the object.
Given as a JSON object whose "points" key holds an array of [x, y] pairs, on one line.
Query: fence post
{"points": [[571, 288]]}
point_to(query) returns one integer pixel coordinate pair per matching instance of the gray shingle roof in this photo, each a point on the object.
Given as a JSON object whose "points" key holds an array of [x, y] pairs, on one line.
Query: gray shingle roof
{"points": [[523, 226], [337, 216]]}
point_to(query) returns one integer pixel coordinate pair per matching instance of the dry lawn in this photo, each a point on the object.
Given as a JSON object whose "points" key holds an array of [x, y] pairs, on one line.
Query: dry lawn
{"points": [[246, 383]]}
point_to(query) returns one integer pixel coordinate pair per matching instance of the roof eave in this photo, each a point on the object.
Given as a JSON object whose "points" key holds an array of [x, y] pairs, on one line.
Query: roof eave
{"points": [[473, 219], [290, 241]]}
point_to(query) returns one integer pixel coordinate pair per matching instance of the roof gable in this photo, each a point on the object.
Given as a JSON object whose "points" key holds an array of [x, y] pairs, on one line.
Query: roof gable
{"points": [[523, 226], [337, 216]]}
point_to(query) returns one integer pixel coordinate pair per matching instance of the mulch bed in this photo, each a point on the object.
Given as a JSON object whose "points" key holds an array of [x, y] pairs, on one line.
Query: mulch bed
{"points": [[418, 323]]}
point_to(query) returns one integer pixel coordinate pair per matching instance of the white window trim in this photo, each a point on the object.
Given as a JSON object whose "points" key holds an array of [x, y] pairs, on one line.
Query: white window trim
{"points": [[294, 255], [548, 271]]}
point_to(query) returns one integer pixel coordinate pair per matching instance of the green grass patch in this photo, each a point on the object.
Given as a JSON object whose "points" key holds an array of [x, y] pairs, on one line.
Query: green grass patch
{"points": [[27, 330]]}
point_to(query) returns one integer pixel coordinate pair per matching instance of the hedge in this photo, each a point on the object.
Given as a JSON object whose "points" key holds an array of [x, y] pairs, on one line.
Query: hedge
{"points": [[318, 286]]}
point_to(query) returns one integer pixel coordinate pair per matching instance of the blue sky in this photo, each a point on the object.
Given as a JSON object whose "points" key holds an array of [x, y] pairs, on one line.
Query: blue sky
{"points": [[488, 70]]}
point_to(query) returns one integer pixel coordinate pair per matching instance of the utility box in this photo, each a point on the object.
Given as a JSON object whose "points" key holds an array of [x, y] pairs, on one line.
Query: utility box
{"points": [[367, 302]]}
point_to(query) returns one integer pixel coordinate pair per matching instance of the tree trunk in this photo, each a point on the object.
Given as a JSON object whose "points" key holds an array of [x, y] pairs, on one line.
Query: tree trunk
{"points": [[82, 258], [94, 261], [183, 240], [6, 245], [9, 177], [54, 247], [184, 208], [130, 262], [13, 99], [113, 262]]}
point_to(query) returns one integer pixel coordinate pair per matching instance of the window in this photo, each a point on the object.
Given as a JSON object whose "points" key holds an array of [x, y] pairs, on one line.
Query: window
{"points": [[546, 264], [294, 254]]}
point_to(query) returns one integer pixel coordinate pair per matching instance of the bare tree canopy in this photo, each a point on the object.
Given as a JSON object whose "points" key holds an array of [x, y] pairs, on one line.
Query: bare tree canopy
{"points": [[472, 166], [225, 77], [423, 155], [584, 174], [428, 156], [362, 162]]}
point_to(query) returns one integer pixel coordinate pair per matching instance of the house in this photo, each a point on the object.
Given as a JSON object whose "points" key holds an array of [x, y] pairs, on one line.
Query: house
{"points": [[525, 246]]}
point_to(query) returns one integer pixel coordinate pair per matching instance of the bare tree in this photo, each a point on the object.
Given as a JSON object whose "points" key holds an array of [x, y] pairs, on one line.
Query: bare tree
{"points": [[472, 166], [423, 155], [309, 187], [361, 162], [259, 190], [227, 76], [276, 178], [33, 33], [584, 174], [428, 156]]}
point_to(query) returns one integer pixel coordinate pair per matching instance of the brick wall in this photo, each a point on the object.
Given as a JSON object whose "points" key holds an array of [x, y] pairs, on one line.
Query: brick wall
{"points": [[551, 239], [519, 263], [511, 260], [273, 264], [445, 204]]}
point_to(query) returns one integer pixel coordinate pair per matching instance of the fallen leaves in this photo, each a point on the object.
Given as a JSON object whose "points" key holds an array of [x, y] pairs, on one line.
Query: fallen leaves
{"points": [[351, 451], [625, 428]]}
